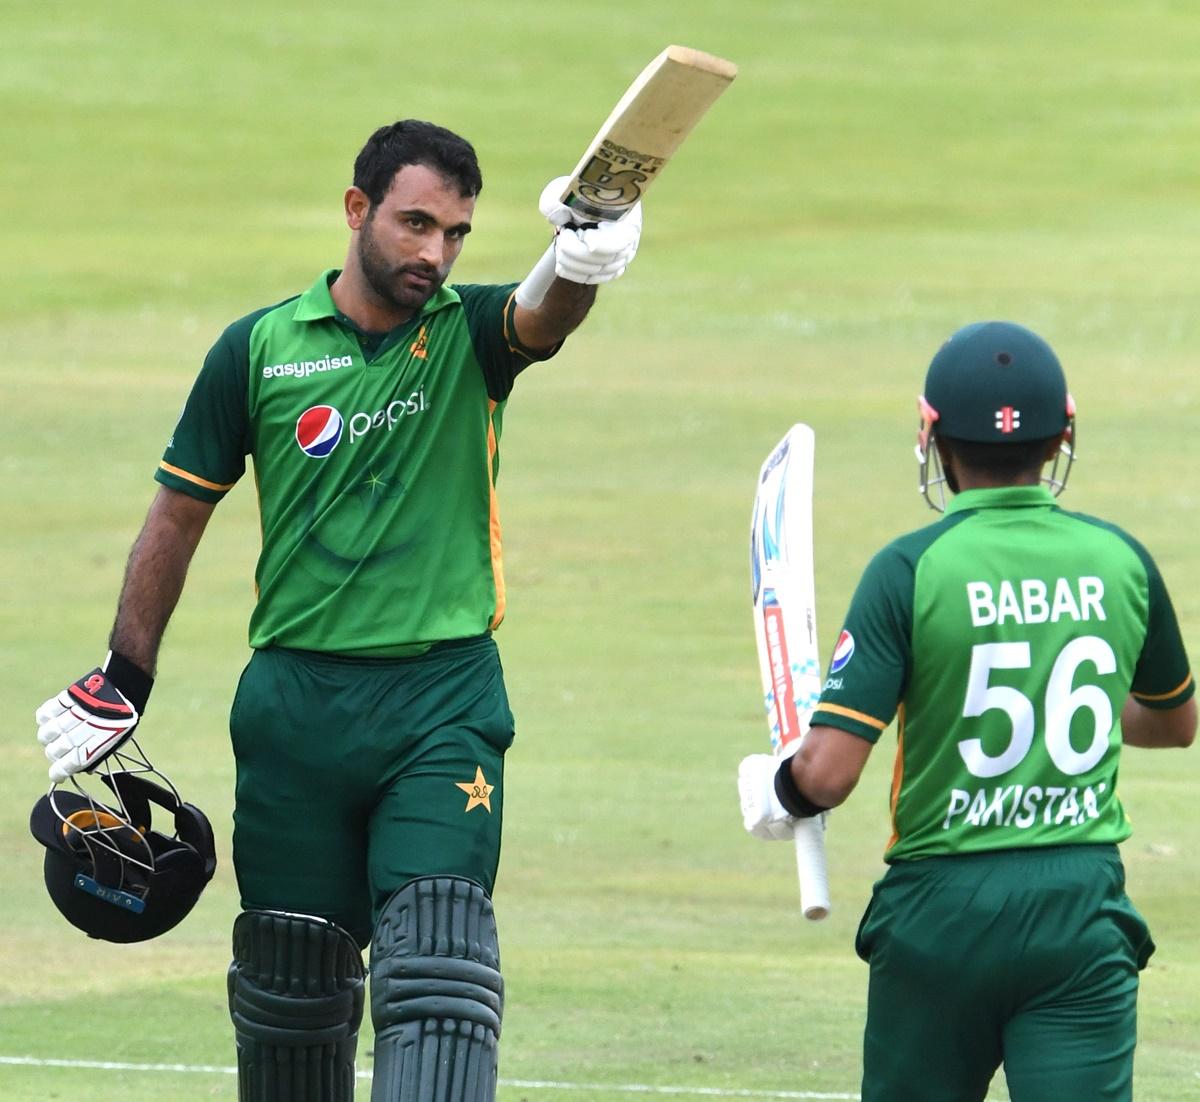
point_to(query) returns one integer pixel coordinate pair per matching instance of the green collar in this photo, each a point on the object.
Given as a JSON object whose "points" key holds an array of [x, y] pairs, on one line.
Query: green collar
{"points": [[317, 303], [1002, 497]]}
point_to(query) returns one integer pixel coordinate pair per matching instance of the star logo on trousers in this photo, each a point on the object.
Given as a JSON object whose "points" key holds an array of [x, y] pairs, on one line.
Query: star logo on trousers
{"points": [[478, 791]]}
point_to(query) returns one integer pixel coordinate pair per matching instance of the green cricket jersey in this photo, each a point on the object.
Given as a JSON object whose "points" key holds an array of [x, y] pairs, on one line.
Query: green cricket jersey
{"points": [[375, 462], [1008, 636]]}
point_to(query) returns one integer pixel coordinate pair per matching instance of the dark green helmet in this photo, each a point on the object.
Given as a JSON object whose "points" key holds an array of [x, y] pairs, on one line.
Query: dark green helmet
{"points": [[995, 381]]}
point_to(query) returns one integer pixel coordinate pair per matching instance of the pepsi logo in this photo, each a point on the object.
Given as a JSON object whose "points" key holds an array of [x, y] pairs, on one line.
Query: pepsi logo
{"points": [[318, 431], [842, 653]]}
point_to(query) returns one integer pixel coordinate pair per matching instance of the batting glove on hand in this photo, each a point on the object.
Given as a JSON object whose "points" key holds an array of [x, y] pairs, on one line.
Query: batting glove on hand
{"points": [[589, 252], [85, 723], [762, 813], [599, 254]]}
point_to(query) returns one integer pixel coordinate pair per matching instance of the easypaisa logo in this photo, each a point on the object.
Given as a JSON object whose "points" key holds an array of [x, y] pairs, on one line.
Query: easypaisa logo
{"points": [[302, 369], [319, 429]]}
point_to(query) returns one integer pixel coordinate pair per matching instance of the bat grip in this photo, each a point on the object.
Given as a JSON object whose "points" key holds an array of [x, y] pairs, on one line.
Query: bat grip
{"points": [[810, 864], [534, 286]]}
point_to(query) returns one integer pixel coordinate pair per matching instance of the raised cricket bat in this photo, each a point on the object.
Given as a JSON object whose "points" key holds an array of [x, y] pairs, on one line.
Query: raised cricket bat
{"points": [[785, 621], [638, 138]]}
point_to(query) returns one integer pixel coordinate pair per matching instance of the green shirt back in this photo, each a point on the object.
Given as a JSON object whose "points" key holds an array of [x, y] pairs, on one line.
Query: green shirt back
{"points": [[375, 462], [1007, 636]]}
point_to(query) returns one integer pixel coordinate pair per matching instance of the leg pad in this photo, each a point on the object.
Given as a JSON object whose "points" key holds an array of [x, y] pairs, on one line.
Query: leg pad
{"points": [[437, 997], [296, 999]]}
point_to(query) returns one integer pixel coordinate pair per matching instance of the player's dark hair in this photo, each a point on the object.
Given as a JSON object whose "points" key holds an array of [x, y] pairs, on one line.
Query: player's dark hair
{"points": [[1001, 461], [413, 142]]}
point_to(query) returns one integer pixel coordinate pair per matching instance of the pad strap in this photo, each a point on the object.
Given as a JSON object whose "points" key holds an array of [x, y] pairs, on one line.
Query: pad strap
{"points": [[296, 999]]}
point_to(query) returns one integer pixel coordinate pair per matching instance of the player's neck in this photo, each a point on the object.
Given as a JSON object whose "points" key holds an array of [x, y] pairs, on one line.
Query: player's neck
{"points": [[355, 298], [981, 480]]}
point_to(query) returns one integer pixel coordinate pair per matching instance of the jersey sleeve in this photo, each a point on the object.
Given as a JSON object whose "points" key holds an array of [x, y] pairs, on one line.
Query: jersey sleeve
{"points": [[870, 666], [489, 309], [206, 454], [1162, 678]]}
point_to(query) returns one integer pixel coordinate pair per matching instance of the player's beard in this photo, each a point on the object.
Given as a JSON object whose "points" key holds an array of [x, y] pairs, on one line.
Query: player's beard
{"points": [[386, 280]]}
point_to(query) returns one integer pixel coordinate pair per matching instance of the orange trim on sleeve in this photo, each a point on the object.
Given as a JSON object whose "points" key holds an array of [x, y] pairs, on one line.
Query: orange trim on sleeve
{"points": [[511, 338], [1164, 696], [504, 321], [194, 478], [530, 355], [494, 532], [897, 778], [850, 713]]}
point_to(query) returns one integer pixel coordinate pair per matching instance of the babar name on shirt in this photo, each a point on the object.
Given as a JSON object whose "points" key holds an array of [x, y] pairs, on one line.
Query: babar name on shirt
{"points": [[1035, 601]]}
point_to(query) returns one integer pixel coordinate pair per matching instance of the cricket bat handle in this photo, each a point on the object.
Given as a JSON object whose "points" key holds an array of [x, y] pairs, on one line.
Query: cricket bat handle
{"points": [[810, 864], [534, 286]]}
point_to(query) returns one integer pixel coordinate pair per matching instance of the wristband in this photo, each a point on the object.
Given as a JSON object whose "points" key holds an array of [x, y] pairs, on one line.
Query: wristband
{"points": [[130, 680], [793, 800]]}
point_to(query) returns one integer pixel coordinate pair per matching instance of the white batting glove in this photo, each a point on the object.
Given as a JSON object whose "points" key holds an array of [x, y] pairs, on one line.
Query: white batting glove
{"points": [[762, 813], [85, 723], [599, 254], [587, 252]]}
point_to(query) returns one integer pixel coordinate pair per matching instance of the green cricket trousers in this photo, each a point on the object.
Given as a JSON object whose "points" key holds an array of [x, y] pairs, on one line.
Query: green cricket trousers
{"points": [[1027, 958], [356, 775]]}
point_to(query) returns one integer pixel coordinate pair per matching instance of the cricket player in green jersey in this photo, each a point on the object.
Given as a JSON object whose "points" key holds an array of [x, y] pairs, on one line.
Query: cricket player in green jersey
{"points": [[1018, 646], [370, 725]]}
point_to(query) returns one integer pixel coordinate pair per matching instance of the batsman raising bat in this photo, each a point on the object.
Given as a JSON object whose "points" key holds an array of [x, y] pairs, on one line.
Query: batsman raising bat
{"points": [[1019, 646], [371, 722]]}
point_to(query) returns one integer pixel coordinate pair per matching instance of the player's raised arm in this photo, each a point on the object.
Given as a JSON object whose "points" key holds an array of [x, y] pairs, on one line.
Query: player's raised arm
{"points": [[558, 293], [596, 211]]}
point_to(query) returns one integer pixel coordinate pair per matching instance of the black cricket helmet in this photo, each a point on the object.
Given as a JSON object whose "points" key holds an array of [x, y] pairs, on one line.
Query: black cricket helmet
{"points": [[994, 382], [108, 870]]}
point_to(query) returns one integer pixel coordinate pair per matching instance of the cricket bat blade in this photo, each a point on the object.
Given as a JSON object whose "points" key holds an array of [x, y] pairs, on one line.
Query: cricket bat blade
{"points": [[783, 592], [641, 134]]}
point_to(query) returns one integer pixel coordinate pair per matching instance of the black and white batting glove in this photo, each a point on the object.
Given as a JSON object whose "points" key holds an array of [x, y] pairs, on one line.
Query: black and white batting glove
{"points": [[92, 718]]}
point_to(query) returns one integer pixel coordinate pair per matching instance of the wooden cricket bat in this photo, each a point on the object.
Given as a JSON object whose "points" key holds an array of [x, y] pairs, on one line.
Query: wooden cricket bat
{"points": [[785, 620], [629, 152]]}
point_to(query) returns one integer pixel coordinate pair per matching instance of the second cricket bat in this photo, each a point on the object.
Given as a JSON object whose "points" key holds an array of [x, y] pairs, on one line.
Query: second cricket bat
{"points": [[785, 621], [629, 152]]}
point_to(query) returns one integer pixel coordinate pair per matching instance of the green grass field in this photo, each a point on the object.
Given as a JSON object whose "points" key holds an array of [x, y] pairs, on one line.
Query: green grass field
{"points": [[879, 174]]}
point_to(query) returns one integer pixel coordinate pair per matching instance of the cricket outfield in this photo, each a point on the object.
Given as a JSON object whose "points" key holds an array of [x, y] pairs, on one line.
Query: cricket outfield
{"points": [[878, 175]]}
